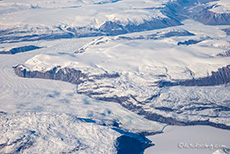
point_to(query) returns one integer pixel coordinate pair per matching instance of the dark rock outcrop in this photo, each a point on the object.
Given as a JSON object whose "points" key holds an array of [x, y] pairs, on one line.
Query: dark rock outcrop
{"points": [[66, 74], [211, 18], [225, 54], [20, 49], [12, 36], [63, 74], [222, 76], [113, 28], [189, 42], [227, 31], [177, 33], [189, 9]]}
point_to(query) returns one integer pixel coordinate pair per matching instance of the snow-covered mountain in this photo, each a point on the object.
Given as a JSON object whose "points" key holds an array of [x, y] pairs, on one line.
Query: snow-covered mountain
{"points": [[129, 67], [52, 133]]}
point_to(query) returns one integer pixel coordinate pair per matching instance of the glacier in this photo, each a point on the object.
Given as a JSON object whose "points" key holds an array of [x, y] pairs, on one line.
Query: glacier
{"points": [[86, 76]]}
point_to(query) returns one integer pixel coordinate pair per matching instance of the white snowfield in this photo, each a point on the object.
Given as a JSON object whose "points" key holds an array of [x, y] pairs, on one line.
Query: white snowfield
{"points": [[77, 13]]}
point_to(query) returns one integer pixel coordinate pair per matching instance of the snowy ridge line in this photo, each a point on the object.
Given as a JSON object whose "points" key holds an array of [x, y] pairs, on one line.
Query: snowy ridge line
{"points": [[155, 36]]}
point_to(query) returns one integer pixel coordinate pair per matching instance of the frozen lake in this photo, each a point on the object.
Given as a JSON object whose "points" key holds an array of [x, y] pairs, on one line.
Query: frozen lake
{"points": [[189, 140]]}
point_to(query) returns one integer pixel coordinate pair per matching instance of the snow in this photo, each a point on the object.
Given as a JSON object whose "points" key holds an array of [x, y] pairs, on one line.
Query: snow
{"points": [[174, 137], [77, 13], [54, 133], [135, 55], [142, 62], [38, 95], [50, 107], [182, 99], [220, 6], [47, 113]]}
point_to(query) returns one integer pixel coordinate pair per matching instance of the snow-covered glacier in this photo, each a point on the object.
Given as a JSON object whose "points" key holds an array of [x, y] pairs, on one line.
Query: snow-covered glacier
{"points": [[97, 76]]}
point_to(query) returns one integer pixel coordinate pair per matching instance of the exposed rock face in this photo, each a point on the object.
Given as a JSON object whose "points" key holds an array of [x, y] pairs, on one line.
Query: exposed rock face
{"points": [[63, 74], [189, 9], [189, 42], [66, 74], [211, 18], [112, 28], [20, 49], [222, 76], [22, 34], [179, 33], [227, 30], [225, 54]]}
